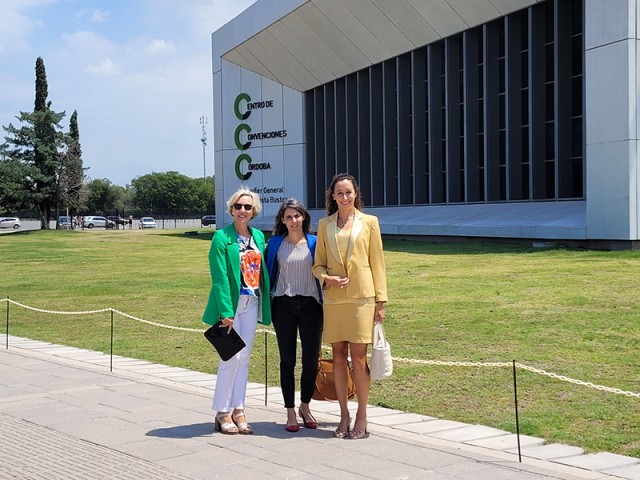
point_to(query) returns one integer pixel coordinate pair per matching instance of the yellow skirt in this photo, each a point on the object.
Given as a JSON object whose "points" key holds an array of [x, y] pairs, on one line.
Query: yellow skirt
{"points": [[348, 322]]}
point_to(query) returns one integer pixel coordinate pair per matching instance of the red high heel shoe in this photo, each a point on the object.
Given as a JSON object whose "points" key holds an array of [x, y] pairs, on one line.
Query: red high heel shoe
{"points": [[292, 428], [308, 422]]}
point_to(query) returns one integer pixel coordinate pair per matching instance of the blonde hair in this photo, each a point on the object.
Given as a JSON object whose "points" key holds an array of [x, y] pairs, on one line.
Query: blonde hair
{"points": [[241, 192]]}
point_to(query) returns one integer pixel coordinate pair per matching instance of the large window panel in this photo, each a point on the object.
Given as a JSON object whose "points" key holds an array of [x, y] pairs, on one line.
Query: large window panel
{"points": [[437, 131], [492, 114], [352, 127], [453, 65], [376, 181], [419, 127], [389, 181], [404, 176]]}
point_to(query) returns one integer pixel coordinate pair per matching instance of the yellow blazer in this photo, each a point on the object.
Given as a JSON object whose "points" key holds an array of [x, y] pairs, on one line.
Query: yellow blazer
{"points": [[364, 262]]}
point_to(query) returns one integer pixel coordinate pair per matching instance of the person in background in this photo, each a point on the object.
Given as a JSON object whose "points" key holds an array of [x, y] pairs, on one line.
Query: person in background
{"points": [[295, 307], [130, 222], [239, 299], [349, 263]]}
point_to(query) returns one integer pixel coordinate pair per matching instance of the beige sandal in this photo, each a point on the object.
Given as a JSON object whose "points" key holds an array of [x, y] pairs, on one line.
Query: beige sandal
{"points": [[224, 424], [240, 420]]}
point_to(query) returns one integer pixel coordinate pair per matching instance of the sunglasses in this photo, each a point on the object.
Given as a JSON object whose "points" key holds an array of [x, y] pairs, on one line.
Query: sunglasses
{"points": [[247, 206]]}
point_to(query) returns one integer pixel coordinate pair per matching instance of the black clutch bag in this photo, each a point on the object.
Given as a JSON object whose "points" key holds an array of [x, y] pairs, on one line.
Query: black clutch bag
{"points": [[227, 344]]}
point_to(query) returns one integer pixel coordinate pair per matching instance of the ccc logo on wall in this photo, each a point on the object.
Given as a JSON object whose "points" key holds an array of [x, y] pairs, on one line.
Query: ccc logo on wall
{"points": [[244, 163]]}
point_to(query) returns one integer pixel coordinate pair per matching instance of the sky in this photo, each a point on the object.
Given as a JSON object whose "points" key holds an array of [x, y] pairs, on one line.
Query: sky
{"points": [[138, 72]]}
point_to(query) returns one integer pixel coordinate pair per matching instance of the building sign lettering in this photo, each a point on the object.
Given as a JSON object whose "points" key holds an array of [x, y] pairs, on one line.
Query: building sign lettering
{"points": [[243, 137]]}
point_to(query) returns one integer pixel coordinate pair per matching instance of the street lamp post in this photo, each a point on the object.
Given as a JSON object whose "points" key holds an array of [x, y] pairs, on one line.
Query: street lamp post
{"points": [[203, 122]]}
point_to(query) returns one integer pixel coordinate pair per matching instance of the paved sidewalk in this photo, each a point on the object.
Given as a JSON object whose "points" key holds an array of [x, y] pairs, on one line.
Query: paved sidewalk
{"points": [[63, 414]]}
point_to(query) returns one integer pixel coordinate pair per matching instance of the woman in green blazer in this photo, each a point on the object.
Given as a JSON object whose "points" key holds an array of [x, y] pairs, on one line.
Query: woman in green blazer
{"points": [[239, 299]]}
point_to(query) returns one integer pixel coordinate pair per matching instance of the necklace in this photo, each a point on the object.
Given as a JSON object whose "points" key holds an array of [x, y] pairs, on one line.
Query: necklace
{"points": [[342, 223], [293, 242]]}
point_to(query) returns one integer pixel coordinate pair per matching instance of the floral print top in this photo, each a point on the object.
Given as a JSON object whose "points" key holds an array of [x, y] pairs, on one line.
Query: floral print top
{"points": [[250, 264]]}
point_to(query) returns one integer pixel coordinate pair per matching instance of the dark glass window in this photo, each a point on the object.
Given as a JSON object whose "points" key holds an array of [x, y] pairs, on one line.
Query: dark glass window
{"points": [[382, 115]]}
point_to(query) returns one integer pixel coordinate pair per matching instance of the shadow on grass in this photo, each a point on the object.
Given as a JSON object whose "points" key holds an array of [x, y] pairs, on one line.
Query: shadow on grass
{"points": [[468, 247], [190, 234], [38, 231]]}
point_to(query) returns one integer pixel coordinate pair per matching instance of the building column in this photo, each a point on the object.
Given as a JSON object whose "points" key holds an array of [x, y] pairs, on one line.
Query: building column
{"points": [[611, 119]]}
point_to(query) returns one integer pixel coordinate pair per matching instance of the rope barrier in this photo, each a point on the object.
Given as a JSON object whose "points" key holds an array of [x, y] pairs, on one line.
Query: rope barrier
{"points": [[409, 361]]}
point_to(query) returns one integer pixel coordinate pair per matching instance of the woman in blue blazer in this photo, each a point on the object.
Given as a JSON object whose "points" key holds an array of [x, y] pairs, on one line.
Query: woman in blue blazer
{"points": [[296, 306]]}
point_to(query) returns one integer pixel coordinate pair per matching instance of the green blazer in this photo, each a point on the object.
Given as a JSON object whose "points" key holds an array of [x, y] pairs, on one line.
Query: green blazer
{"points": [[224, 262]]}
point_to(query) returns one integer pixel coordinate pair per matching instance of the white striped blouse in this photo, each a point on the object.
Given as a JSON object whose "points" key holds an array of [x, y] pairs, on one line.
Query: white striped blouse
{"points": [[294, 271]]}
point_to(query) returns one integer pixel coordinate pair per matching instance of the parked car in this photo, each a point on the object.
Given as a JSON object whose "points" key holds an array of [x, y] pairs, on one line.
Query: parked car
{"points": [[117, 220], [147, 222], [97, 221], [65, 221], [208, 220], [10, 222]]}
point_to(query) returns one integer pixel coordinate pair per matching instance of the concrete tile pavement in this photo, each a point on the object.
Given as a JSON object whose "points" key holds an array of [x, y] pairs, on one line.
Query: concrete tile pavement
{"points": [[63, 414]]}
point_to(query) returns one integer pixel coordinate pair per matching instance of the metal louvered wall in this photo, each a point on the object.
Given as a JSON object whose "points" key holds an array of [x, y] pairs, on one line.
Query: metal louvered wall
{"points": [[493, 114]]}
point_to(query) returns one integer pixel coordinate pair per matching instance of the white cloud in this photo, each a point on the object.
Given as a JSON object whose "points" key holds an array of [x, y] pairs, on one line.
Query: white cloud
{"points": [[94, 15], [159, 46], [106, 68], [86, 42], [15, 28]]}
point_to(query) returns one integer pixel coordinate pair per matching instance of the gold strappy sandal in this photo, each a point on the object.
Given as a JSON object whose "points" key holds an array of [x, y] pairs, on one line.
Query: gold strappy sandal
{"points": [[343, 432]]}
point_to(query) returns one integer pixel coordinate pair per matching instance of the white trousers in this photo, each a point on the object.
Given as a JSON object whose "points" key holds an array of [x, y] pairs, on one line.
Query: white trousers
{"points": [[233, 375]]}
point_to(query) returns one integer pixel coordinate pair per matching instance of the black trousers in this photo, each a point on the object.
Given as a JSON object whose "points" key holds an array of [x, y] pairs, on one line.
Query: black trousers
{"points": [[290, 315]]}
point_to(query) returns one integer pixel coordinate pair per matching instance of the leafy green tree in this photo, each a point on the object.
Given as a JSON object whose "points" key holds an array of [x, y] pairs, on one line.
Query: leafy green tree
{"points": [[168, 192], [103, 196], [31, 155], [205, 193], [122, 199], [125, 202]]}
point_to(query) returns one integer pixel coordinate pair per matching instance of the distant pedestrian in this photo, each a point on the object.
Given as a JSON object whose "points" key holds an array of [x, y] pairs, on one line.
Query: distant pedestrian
{"points": [[130, 222]]}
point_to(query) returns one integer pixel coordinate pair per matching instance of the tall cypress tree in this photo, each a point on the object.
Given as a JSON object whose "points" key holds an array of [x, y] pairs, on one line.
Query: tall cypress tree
{"points": [[74, 133], [72, 191], [42, 87], [29, 168]]}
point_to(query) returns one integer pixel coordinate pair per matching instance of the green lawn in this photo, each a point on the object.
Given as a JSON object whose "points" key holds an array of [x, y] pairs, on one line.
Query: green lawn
{"points": [[572, 312]]}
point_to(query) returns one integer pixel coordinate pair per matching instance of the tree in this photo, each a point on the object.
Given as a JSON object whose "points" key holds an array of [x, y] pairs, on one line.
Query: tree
{"points": [[164, 192], [31, 155], [205, 193], [103, 196], [72, 191], [124, 199]]}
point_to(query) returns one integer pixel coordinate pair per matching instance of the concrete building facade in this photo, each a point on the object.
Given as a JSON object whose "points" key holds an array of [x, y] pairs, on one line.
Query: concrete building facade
{"points": [[514, 119]]}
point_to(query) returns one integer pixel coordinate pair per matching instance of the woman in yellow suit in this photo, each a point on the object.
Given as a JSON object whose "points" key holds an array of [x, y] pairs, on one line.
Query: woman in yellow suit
{"points": [[349, 263]]}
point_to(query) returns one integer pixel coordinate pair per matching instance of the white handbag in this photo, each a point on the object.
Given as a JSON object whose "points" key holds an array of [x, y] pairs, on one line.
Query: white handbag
{"points": [[381, 363]]}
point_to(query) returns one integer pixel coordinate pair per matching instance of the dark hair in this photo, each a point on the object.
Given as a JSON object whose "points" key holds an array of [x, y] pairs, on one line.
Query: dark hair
{"points": [[280, 228], [332, 205]]}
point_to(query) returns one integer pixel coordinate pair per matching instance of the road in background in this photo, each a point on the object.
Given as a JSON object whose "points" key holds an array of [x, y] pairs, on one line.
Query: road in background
{"points": [[165, 224]]}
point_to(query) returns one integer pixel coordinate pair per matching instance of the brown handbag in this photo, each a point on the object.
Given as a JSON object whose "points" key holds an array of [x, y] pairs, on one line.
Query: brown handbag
{"points": [[325, 386]]}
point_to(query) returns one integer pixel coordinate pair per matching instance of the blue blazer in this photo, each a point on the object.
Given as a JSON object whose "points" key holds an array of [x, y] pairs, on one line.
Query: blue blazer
{"points": [[271, 252]]}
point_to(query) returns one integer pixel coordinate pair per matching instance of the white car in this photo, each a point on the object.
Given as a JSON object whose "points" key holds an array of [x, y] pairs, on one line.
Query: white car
{"points": [[97, 221], [10, 222], [147, 222]]}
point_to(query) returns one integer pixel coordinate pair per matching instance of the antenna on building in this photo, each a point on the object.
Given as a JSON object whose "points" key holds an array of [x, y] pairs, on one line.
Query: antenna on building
{"points": [[203, 122]]}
